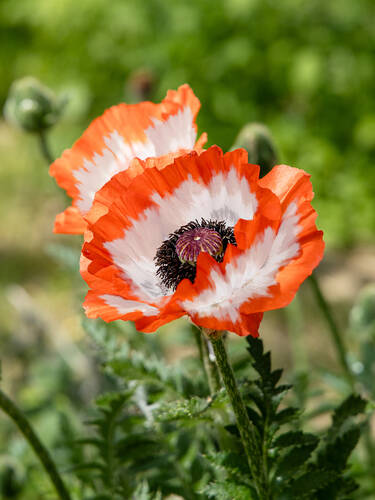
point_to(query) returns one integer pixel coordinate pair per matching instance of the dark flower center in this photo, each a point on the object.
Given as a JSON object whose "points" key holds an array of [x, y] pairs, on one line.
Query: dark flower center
{"points": [[202, 239], [177, 256]]}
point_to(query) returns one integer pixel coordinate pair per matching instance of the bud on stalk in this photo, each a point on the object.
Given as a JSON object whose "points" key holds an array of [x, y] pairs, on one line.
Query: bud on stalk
{"points": [[258, 142], [32, 106]]}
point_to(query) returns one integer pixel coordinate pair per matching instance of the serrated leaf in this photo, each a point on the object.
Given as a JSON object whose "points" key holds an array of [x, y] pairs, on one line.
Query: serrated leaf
{"points": [[263, 365], [294, 438], [186, 409], [335, 453], [227, 490], [287, 415], [276, 376], [256, 396], [295, 458], [145, 369], [163, 463], [255, 418], [278, 395], [353, 405], [341, 488], [309, 482], [136, 446], [143, 493], [255, 346], [98, 331], [231, 463], [282, 389], [111, 400]]}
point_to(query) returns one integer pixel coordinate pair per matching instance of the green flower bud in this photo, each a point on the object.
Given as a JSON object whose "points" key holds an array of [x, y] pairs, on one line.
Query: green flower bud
{"points": [[258, 142], [32, 106], [362, 315]]}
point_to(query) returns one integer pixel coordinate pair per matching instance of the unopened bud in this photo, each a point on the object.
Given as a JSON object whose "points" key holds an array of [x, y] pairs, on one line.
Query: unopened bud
{"points": [[32, 106], [258, 142]]}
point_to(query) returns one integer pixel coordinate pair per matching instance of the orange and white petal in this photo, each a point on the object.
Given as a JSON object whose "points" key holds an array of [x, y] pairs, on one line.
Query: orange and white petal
{"points": [[215, 310], [148, 324], [265, 270], [112, 307], [122, 133], [70, 221], [158, 202]]}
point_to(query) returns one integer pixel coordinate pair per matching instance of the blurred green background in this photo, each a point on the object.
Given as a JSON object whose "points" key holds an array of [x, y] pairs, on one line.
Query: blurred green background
{"points": [[305, 69]]}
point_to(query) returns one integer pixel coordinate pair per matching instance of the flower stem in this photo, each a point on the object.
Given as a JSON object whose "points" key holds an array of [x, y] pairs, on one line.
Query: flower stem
{"points": [[44, 148], [246, 428], [209, 366], [41, 451], [333, 328]]}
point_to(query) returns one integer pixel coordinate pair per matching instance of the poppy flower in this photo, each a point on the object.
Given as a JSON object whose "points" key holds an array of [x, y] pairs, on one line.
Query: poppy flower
{"points": [[202, 237], [112, 141]]}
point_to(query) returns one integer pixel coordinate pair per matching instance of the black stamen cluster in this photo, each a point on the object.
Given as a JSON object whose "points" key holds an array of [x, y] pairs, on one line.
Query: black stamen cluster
{"points": [[170, 269]]}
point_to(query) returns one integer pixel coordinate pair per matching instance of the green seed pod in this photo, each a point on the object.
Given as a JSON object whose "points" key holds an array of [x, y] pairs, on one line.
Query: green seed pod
{"points": [[32, 106], [362, 315], [258, 142]]}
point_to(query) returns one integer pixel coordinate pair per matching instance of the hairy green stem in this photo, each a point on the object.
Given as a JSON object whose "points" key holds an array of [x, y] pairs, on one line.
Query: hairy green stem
{"points": [[199, 341], [245, 426], [209, 366], [333, 328], [44, 148], [41, 451]]}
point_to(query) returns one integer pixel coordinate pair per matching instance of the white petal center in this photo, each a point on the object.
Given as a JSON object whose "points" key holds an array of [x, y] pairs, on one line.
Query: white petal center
{"points": [[163, 137], [227, 197], [124, 306]]}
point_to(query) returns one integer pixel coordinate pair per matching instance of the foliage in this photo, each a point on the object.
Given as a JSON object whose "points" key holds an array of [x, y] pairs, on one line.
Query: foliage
{"points": [[156, 431], [154, 436], [299, 464], [143, 442]]}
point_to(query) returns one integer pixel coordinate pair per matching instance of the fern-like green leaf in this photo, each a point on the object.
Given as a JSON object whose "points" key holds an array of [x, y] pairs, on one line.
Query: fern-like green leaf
{"points": [[293, 438], [228, 490], [309, 482], [234, 465]]}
